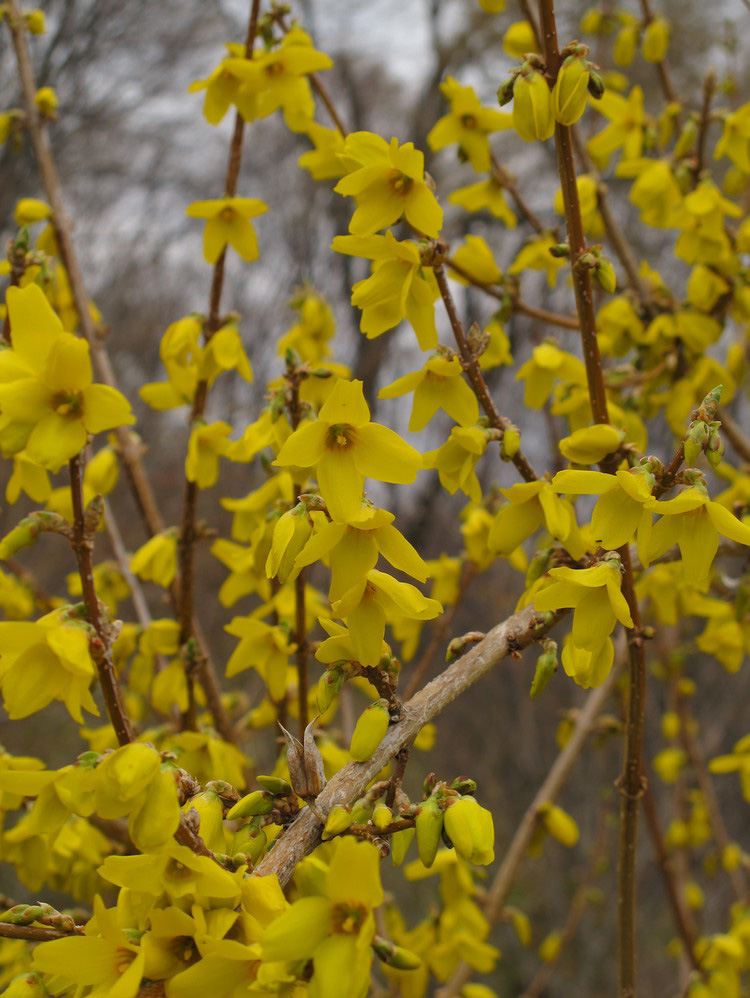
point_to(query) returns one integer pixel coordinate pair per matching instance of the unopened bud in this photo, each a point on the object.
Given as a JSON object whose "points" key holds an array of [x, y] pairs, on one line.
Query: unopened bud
{"points": [[559, 824], [460, 645], [559, 251], [596, 84], [329, 685], [361, 811], [255, 803], [305, 763], [464, 785], [275, 785], [695, 440], [400, 842], [570, 92], [715, 446], [511, 443], [546, 667], [382, 816], [338, 820], [605, 275], [429, 826], [533, 117], [395, 956], [370, 730]]}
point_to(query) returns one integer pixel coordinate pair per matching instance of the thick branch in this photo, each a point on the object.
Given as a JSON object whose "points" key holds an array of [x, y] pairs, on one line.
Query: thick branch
{"points": [[515, 633]]}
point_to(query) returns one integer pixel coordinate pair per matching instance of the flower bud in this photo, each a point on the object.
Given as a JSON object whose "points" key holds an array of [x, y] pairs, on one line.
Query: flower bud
{"points": [[275, 785], [370, 730], [596, 84], [471, 830], [329, 685], [429, 826], [533, 117], [570, 93], [34, 20], [338, 820], [400, 842], [546, 667], [626, 41], [253, 804], [715, 446], [290, 534], [211, 814], [505, 91], [382, 816], [559, 824], [510, 444], [695, 441], [361, 811], [395, 956], [464, 785], [305, 763], [250, 840], [549, 949], [655, 40]]}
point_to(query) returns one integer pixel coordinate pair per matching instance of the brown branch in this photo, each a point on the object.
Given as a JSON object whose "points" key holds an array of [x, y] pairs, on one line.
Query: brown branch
{"points": [[709, 87], [188, 532], [101, 646], [550, 789], [350, 783], [733, 433], [631, 780], [682, 918], [36, 933], [503, 179], [322, 92], [127, 448], [474, 372]]}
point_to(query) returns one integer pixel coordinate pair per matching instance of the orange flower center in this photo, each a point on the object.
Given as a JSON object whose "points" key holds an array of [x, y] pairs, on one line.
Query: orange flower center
{"points": [[468, 121], [68, 404], [348, 918], [399, 183], [123, 958], [274, 69], [227, 215], [340, 436]]}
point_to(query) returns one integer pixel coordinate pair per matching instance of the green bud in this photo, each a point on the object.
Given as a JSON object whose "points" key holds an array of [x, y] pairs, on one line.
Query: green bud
{"points": [[710, 404], [429, 826], [560, 251], [395, 956], [605, 275], [329, 685], [714, 447], [400, 842], [546, 667], [370, 730], [249, 840], [695, 441], [510, 444], [596, 84], [275, 785], [255, 803], [338, 820], [460, 645], [464, 785], [505, 90], [361, 811]]}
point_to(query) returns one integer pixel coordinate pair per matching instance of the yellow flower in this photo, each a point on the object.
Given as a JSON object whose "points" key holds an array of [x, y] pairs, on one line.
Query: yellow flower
{"points": [[655, 192], [476, 259], [344, 447], [222, 85], [27, 477], [208, 441], [570, 93], [547, 364], [468, 124], [625, 129], [353, 549], [735, 139], [323, 161], [49, 404], [45, 661], [625, 508], [595, 594], [438, 385], [400, 287], [263, 647], [535, 255], [279, 79], [387, 181], [174, 869], [694, 522], [366, 604], [156, 560], [591, 444], [311, 334], [485, 194], [530, 506], [333, 930], [105, 958], [456, 459], [519, 39], [46, 101], [30, 210], [228, 221]]}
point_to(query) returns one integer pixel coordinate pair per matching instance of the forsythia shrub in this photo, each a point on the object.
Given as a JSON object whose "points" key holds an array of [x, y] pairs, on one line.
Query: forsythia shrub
{"points": [[188, 873]]}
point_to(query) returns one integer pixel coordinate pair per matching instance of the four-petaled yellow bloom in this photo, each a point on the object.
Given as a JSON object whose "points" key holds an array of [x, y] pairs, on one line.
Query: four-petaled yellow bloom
{"points": [[48, 402], [387, 181], [343, 447], [228, 221]]}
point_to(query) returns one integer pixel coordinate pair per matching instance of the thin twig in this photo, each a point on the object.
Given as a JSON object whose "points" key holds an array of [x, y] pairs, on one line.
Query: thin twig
{"points": [[101, 646], [36, 933], [474, 372]]}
